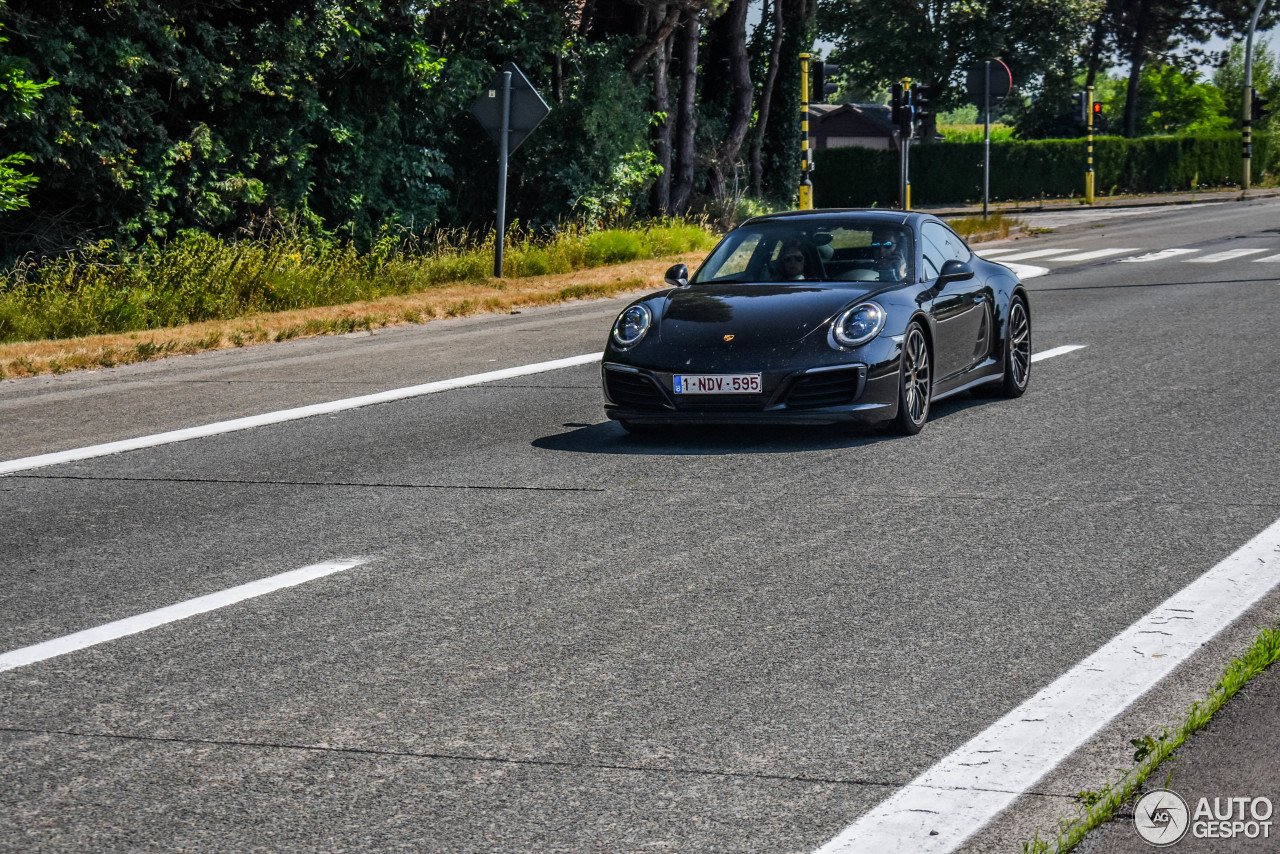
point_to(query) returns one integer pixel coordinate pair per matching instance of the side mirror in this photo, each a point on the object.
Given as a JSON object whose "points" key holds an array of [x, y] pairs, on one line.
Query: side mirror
{"points": [[954, 270], [678, 276]]}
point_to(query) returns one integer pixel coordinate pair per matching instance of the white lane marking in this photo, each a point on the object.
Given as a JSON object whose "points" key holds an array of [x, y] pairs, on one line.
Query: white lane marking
{"points": [[1272, 258], [962, 793], [220, 427], [1057, 351], [1157, 256], [991, 253], [172, 613], [1037, 253], [1229, 255], [1097, 253], [1026, 271]]}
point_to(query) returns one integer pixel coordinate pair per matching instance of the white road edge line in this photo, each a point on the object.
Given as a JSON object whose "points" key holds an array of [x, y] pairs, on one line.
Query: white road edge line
{"points": [[1024, 271], [76, 454], [944, 806], [1057, 351], [171, 614]]}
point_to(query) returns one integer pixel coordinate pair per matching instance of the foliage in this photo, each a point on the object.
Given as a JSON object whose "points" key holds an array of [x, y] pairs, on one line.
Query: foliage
{"points": [[1172, 101], [952, 173], [1229, 80], [936, 42], [18, 96], [197, 277]]}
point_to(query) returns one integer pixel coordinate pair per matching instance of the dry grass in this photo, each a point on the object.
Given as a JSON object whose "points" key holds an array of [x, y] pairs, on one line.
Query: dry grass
{"points": [[22, 359]]}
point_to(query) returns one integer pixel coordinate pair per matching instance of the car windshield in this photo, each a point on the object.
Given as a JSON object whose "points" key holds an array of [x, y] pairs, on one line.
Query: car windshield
{"points": [[854, 250]]}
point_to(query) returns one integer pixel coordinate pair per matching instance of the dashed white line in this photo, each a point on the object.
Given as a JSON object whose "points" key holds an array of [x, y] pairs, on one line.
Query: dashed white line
{"points": [[172, 613], [1229, 255], [1158, 256], [1035, 253], [76, 454], [1057, 351], [1096, 253], [944, 806], [1270, 258]]}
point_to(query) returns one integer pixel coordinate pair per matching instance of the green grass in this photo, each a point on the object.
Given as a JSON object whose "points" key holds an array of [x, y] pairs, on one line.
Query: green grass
{"points": [[975, 133], [992, 227], [197, 277], [1098, 807]]}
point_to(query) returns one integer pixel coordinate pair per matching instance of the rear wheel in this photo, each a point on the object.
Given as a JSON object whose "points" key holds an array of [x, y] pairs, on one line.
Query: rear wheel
{"points": [[915, 382], [1017, 350]]}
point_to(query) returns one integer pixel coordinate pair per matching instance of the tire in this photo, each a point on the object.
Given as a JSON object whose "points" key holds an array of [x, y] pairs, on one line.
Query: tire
{"points": [[1017, 350], [915, 382]]}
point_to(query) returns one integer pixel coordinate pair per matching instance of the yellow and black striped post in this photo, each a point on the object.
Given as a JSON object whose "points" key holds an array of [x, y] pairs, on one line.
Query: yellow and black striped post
{"points": [[1088, 172], [806, 185]]}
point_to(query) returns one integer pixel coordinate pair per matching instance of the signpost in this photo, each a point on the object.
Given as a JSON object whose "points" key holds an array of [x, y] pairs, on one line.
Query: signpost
{"points": [[509, 109], [991, 79]]}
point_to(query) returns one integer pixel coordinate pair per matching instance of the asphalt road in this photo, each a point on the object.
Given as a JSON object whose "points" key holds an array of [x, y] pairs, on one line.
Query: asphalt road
{"points": [[565, 638]]}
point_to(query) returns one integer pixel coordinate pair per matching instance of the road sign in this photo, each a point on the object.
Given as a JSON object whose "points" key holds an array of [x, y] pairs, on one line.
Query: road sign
{"points": [[527, 108], [1001, 82], [509, 109]]}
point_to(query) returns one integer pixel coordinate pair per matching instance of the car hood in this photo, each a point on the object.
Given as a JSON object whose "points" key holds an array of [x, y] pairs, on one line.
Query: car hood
{"points": [[755, 315]]}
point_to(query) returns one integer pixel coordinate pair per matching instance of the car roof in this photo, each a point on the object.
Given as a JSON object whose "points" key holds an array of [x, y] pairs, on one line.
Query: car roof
{"points": [[826, 214]]}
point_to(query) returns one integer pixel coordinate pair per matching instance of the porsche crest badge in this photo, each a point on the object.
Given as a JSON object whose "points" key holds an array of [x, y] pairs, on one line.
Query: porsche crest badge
{"points": [[728, 338]]}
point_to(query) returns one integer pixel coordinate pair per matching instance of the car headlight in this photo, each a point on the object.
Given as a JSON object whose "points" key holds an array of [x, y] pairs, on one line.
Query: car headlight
{"points": [[632, 325], [858, 325]]}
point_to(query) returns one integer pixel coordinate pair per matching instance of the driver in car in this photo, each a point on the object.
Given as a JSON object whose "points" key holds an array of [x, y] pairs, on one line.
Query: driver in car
{"points": [[888, 252]]}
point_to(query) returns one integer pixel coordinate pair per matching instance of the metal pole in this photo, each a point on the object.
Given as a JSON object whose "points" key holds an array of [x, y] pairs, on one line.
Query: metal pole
{"points": [[806, 183], [502, 174], [1247, 134], [986, 138], [1088, 173]]}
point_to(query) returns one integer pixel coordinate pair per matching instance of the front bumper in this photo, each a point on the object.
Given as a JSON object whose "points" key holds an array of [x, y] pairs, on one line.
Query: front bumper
{"points": [[832, 394]]}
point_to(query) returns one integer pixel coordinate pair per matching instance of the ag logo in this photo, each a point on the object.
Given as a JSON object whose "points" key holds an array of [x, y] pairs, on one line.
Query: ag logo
{"points": [[1161, 817]]}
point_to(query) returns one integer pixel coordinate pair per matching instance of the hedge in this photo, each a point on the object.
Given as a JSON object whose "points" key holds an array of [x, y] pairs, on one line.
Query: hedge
{"points": [[951, 173]]}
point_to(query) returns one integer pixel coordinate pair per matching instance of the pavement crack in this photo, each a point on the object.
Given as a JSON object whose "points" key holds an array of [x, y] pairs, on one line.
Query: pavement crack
{"points": [[323, 483], [452, 757]]}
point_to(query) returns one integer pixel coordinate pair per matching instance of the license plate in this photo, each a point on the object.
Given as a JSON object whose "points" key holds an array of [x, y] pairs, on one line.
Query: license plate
{"points": [[717, 383]]}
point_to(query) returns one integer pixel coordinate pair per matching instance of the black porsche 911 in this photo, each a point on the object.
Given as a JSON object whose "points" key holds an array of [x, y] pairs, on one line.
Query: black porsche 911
{"points": [[820, 317]]}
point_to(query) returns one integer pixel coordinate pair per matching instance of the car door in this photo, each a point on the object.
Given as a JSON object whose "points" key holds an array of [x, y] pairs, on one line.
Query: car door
{"points": [[961, 310]]}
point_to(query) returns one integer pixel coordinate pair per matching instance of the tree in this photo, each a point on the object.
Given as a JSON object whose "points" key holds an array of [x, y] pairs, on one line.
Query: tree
{"points": [[1228, 79], [18, 96], [934, 42]]}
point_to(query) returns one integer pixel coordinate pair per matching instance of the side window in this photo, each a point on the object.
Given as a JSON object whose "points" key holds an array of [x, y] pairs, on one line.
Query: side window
{"points": [[934, 255], [946, 241]]}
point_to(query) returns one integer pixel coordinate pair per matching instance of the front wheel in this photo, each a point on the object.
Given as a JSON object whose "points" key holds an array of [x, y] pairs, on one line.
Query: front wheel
{"points": [[915, 382], [1017, 350]]}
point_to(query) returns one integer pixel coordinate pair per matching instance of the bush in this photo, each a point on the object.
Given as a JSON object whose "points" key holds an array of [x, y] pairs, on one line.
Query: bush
{"points": [[951, 173]]}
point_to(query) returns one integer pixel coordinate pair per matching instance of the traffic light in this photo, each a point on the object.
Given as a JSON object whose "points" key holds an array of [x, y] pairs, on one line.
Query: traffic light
{"points": [[1080, 108], [1258, 108], [895, 104], [823, 84], [920, 96]]}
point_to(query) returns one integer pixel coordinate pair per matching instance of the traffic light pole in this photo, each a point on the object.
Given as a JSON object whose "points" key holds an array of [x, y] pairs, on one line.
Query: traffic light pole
{"points": [[986, 137], [1247, 134], [1088, 173], [806, 183], [906, 130]]}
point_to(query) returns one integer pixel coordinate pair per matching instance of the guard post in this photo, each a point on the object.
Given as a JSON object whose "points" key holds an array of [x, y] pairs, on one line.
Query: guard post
{"points": [[1088, 172], [806, 183]]}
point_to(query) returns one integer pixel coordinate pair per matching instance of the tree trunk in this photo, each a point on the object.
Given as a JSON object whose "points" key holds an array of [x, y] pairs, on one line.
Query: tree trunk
{"points": [[726, 158], [660, 196], [1137, 56], [635, 66], [766, 98], [687, 120], [1095, 48]]}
